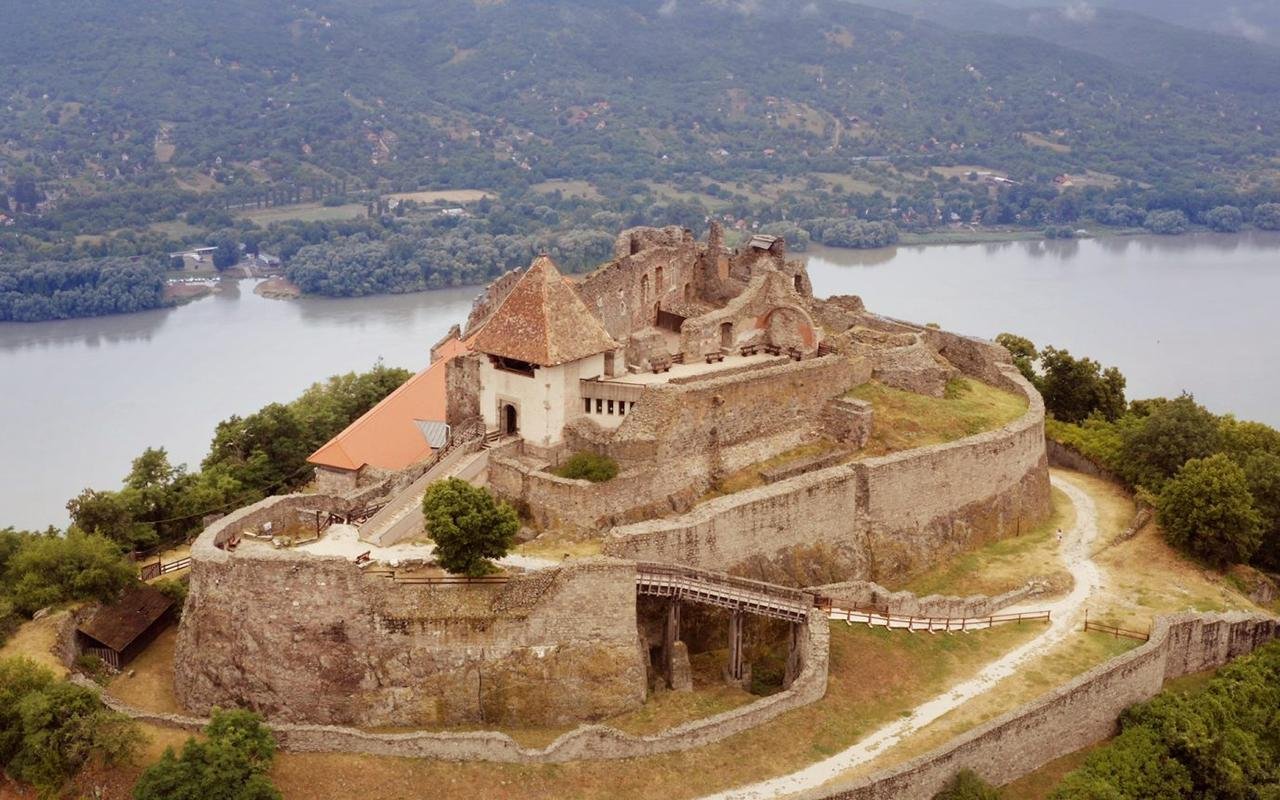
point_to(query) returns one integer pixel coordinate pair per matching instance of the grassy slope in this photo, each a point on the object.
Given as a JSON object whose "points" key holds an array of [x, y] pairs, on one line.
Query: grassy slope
{"points": [[903, 420]]}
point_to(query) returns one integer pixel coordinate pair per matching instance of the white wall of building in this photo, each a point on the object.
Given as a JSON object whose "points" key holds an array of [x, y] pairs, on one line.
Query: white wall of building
{"points": [[544, 402]]}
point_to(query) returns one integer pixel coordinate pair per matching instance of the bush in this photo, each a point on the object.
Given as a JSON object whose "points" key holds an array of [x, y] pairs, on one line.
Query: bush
{"points": [[1166, 223], [231, 765], [175, 589], [1220, 744], [1267, 216], [1059, 232], [1224, 219], [49, 728], [589, 467], [49, 568], [1207, 509], [968, 786], [468, 526]]}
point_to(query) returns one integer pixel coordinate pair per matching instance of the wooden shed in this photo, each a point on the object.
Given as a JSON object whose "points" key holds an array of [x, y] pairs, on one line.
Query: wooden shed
{"points": [[117, 632]]}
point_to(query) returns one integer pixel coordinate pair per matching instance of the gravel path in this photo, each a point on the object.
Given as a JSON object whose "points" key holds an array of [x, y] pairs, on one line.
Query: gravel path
{"points": [[1066, 615]]}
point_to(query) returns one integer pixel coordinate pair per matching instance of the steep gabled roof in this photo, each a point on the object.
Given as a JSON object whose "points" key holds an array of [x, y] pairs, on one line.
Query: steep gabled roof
{"points": [[543, 321], [388, 436]]}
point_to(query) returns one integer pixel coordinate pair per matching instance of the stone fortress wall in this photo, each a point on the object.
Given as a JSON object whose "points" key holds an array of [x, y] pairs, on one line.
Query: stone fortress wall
{"points": [[883, 518], [1073, 716], [301, 637]]}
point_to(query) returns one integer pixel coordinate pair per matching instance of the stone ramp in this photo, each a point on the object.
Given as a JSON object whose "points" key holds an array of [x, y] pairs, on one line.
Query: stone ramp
{"points": [[401, 518]]}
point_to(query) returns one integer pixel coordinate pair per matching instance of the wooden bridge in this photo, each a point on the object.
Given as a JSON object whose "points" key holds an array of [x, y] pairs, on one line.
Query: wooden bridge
{"points": [[726, 591]]}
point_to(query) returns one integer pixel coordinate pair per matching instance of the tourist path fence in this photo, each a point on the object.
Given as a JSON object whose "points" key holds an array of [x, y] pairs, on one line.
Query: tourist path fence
{"points": [[879, 619], [147, 572]]}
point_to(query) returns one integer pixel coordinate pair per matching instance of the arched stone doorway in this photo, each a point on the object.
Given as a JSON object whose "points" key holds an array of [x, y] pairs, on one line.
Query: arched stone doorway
{"points": [[510, 420], [788, 327], [726, 335]]}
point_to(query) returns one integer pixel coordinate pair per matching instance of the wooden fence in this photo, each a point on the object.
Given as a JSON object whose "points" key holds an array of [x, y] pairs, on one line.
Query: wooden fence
{"points": [[148, 571], [877, 618], [1127, 633]]}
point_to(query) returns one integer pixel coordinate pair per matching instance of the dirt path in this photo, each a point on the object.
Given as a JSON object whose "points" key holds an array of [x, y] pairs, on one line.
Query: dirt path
{"points": [[1066, 614]]}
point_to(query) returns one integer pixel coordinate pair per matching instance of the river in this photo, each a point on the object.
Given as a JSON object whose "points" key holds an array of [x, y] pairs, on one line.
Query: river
{"points": [[81, 398]]}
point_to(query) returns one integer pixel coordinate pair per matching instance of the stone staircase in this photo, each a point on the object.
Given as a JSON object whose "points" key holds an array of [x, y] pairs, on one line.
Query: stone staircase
{"points": [[401, 518]]}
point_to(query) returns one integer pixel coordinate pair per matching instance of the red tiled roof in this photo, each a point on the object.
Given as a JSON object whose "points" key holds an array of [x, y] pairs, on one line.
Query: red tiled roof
{"points": [[543, 321], [387, 436]]}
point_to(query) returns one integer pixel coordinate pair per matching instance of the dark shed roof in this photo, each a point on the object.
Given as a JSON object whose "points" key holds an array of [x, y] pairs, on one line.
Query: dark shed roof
{"points": [[117, 625]]}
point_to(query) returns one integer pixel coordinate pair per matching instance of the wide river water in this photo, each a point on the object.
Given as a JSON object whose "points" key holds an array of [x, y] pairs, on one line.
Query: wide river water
{"points": [[81, 398]]}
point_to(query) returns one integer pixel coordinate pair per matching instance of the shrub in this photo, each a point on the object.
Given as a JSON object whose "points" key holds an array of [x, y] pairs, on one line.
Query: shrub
{"points": [[1224, 219], [590, 467], [49, 728], [175, 589], [1267, 216], [1207, 509], [1166, 223], [968, 786], [231, 765], [49, 569], [468, 526]]}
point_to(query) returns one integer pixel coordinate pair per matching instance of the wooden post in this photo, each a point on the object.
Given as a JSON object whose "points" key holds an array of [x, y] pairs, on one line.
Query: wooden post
{"points": [[735, 645], [670, 635]]}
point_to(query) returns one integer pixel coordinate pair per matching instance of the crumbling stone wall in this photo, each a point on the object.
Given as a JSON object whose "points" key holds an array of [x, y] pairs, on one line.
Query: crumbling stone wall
{"points": [[679, 439], [1072, 717], [462, 393], [303, 638], [769, 310], [882, 519], [588, 742]]}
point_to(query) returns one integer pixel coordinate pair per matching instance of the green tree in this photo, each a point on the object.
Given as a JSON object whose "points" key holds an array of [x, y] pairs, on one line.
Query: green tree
{"points": [[49, 728], [232, 764], [227, 252], [468, 526], [1267, 216], [50, 568], [108, 514], [968, 786], [1224, 219], [1206, 509], [1024, 355], [1166, 223], [1262, 475], [1076, 388], [589, 466], [1173, 433]]}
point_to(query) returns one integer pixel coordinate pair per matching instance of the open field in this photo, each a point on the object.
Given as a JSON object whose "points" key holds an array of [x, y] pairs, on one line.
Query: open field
{"points": [[36, 639], [581, 189], [442, 196], [304, 212], [906, 420]]}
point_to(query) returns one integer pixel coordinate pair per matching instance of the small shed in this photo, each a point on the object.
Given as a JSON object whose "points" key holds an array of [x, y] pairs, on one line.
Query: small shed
{"points": [[118, 632]]}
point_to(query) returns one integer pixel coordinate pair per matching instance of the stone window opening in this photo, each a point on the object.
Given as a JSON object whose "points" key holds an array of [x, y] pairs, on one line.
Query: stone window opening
{"points": [[726, 335], [586, 405], [644, 287], [657, 280], [513, 365], [799, 284], [610, 406], [599, 406]]}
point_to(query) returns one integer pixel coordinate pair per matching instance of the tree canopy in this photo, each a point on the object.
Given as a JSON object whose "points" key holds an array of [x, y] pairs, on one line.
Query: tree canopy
{"points": [[468, 526], [230, 764]]}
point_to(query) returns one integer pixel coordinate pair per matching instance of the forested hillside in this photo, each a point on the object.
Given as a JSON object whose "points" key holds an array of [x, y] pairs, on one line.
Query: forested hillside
{"points": [[133, 128]]}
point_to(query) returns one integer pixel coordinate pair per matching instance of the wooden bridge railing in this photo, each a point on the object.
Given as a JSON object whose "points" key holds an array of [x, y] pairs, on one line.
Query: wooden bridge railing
{"points": [[726, 591], [876, 617]]}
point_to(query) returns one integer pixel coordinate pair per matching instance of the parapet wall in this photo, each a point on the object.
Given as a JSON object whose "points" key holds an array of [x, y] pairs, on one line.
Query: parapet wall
{"points": [[305, 638], [1074, 716], [882, 518], [867, 594]]}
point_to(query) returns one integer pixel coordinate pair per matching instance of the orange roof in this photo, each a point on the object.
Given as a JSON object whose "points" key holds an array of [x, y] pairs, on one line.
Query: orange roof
{"points": [[387, 436], [543, 321]]}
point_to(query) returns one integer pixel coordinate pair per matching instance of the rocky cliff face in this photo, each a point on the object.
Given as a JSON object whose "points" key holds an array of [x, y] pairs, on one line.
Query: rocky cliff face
{"points": [[305, 639]]}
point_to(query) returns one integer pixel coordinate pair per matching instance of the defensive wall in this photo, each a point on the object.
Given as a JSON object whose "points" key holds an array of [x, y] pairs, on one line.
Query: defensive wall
{"points": [[679, 439], [303, 637], [881, 518], [1073, 716]]}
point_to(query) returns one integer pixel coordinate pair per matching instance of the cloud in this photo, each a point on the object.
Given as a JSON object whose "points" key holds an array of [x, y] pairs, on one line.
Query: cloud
{"points": [[809, 10], [1079, 11], [668, 8], [1240, 26]]}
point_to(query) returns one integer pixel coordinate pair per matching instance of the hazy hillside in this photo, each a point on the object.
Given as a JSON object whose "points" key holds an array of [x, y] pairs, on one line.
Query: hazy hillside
{"points": [[101, 93], [1160, 49]]}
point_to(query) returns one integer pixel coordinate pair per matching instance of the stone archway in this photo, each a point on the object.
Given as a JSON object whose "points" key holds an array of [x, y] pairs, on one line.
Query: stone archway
{"points": [[789, 326], [510, 420]]}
